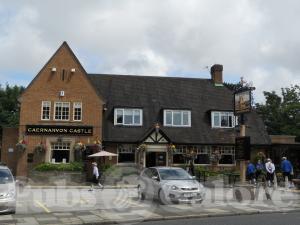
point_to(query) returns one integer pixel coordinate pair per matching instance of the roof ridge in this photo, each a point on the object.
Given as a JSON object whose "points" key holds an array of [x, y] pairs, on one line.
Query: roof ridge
{"points": [[150, 76]]}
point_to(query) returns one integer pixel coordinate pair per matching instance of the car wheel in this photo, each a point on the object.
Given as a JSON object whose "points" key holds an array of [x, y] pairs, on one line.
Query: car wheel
{"points": [[141, 195], [162, 197]]}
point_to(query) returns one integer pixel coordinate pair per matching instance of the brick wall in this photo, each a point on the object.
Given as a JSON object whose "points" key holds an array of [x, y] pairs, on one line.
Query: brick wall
{"points": [[9, 155], [46, 86]]}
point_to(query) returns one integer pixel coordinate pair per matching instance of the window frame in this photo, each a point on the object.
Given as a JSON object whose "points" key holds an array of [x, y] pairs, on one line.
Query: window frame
{"points": [[221, 113], [123, 117], [166, 111], [42, 110], [74, 111], [54, 111]]}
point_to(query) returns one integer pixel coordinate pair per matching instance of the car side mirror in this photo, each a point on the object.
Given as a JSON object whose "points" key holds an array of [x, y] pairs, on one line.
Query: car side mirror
{"points": [[155, 178]]}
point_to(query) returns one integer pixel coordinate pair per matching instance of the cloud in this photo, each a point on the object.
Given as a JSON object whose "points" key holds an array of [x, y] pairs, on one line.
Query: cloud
{"points": [[258, 40]]}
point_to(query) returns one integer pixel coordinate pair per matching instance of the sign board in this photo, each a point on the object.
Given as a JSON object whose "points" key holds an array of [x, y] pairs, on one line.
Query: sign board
{"points": [[242, 148], [59, 130], [242, 101], [10, 150]]}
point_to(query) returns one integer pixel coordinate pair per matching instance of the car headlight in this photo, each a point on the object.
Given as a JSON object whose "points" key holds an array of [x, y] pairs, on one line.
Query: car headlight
{"points": [[10, 194], [174, 188]]}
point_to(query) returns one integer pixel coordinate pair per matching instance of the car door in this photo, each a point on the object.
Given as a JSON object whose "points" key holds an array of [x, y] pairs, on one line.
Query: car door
{"points": [[155, 182]]}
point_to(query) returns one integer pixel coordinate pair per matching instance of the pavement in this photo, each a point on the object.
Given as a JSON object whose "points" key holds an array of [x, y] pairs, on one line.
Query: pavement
{"points": [[119, 204]]}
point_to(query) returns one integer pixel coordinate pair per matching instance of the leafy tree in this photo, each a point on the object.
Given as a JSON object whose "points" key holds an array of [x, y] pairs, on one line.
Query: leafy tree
{"points": [[281, 114], [9, 106]]}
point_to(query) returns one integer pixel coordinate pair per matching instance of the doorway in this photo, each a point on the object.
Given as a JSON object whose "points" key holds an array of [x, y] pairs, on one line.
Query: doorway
{"points": [[156, 159]]}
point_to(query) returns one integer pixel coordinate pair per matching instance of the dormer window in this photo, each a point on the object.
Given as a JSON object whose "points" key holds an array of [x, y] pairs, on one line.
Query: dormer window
{"points": [[177, 118], [223, 119], [128, 117]]}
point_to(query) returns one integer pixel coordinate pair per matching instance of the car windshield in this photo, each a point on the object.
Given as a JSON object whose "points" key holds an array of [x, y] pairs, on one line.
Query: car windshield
{"points": [[174, 174], [5, 176]]}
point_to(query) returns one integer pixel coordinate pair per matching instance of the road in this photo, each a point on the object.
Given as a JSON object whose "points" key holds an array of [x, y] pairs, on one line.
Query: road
{"points": [[32, 201], [265, 219]]}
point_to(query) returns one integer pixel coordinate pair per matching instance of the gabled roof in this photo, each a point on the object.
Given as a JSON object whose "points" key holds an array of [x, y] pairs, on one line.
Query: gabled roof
{"points": [[154, 94]]}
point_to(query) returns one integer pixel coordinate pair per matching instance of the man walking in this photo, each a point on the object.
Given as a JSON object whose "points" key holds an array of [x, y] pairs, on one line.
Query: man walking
{"points": [[287, 170], [270, 168]]}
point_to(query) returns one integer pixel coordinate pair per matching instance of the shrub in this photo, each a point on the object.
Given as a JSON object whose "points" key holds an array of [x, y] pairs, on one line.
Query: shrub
{"points": [[73, 166]]}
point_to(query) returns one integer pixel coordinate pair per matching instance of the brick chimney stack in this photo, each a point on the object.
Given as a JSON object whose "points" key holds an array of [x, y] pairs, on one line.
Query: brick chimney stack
{"points": [[216, 72]]}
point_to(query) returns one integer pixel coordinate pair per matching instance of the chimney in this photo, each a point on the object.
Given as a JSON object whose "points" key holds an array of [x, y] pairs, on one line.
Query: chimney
{"points": [[216, 72]]}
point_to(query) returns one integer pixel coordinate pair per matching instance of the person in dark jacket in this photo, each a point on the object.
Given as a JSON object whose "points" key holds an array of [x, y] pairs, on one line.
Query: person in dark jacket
{"points": [[251, 173], [259, 169], [287, 171]]}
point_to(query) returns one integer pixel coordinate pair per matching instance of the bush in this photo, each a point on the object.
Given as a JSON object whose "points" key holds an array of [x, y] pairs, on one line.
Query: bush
{"points": [[73, 166]]}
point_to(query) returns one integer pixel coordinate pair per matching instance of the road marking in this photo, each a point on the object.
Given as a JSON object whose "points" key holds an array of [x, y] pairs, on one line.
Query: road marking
{"points": [[84, 200], [42, 206], [127, 202]]}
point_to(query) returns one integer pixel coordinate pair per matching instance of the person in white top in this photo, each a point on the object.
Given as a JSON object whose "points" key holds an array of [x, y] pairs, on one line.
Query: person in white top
{"points": [[270, 168], [96, 176]]}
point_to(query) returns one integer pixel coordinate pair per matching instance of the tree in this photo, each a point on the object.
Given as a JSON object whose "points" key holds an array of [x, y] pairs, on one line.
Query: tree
{"points": [[9, 106], [281, 114]]}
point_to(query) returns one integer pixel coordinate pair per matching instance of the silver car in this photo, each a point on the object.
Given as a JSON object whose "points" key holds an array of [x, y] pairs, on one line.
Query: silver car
{"points": [[7, 191], [169, 184]]}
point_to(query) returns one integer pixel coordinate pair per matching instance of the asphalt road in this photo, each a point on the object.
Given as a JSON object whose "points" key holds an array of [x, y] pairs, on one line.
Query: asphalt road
{"points": [[69, 200], [265, 219]]}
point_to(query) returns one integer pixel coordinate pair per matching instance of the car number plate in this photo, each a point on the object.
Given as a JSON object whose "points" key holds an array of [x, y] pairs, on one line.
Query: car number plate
{"points": [[188, 195]]}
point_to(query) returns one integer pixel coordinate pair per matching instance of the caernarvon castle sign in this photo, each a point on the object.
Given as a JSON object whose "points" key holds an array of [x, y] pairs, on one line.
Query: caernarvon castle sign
{"points": [[59, 130]]}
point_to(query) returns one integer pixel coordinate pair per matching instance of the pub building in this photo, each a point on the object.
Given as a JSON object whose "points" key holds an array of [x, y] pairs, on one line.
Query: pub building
{"points": [[145, 120]]}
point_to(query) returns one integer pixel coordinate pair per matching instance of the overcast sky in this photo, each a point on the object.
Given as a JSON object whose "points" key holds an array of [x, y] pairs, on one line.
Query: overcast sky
{"points": [[256, 39]]}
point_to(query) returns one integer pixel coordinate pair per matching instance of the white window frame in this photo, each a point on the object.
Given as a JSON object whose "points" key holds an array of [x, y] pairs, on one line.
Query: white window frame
{"points": [[42, 110], [55, 111], [234, 119], [228, 150], [60, 146], [123, 117], [176, 111], [74, 103]]}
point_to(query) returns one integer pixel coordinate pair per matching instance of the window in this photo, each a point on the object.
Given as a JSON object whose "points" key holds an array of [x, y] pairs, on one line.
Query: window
{"points": [[46, 107], [77, 111], [178, 155], [203, 155], [60, 152], [62, 110], [223, 119], [177, 118], [227, 155], [126, 153], [128, 117]]}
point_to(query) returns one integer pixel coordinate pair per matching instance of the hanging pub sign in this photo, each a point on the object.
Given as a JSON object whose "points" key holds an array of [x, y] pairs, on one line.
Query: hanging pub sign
{"points": [[242, 148], [242, 101], [59, 130]]}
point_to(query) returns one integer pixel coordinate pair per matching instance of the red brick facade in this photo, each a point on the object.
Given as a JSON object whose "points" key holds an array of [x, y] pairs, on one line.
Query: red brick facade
{"points": [[69, 77]]}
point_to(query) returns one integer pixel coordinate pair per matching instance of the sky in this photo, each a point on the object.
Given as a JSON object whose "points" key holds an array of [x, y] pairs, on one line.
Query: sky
{"points": [[258, 40]]}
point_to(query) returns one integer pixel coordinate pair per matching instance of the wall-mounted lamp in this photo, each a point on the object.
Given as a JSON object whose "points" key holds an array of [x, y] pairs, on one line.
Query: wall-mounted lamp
{"points": [[73, 70], [53, 69]]}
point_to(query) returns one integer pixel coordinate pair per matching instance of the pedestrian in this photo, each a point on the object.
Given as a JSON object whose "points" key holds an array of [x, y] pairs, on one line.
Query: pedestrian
{"points": [[251, 173], [96, 177], [259, 169], [270, 168], [192, 168], [287, 170]]}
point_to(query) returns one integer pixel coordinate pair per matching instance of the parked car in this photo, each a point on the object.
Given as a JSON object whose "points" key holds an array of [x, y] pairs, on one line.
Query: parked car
{"points": [[7, 191], [169, 185]]}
